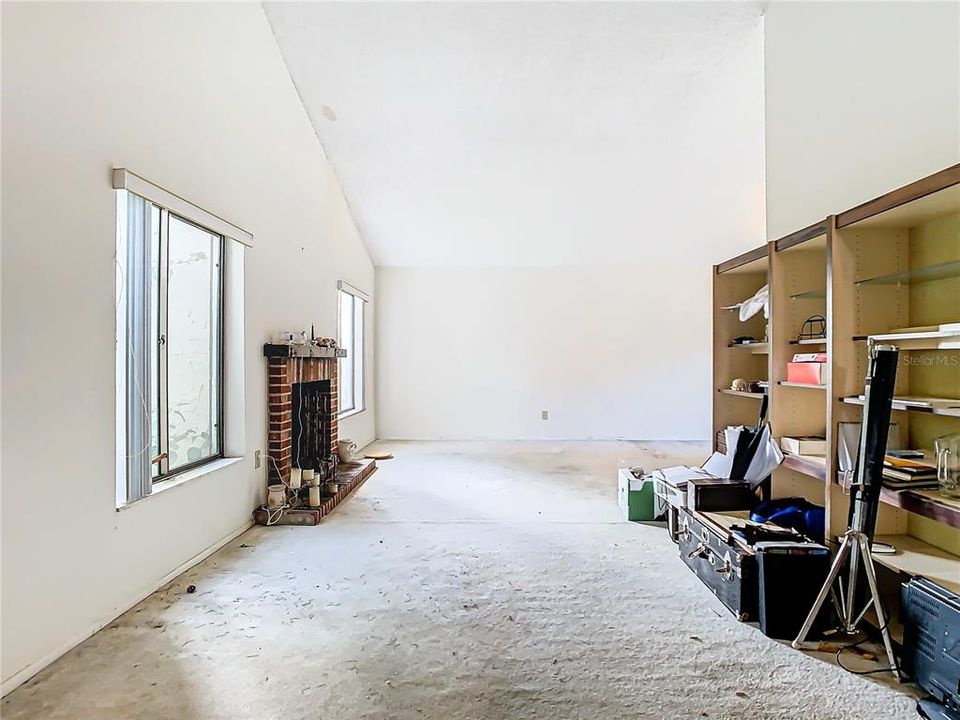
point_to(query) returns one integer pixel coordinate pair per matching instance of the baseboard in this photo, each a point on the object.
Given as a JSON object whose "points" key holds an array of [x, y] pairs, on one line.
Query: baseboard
{"points": [[17, 679]]}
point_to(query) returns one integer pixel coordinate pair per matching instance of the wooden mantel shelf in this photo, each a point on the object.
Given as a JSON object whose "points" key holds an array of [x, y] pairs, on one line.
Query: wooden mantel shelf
{"points": [[301, 351]]}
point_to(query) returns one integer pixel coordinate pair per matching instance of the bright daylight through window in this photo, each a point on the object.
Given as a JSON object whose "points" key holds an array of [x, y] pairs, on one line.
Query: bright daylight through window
{"points": [[169, 359], [351, 339]]}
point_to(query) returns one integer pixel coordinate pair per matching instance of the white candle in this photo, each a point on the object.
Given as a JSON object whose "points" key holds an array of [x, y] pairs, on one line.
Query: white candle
{"points": [[314, 496], [295, 478], [308, 475]]}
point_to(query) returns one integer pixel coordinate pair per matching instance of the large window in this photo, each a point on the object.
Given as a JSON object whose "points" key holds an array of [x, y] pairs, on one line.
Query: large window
{"points": [[351, 304], [169, 344]]}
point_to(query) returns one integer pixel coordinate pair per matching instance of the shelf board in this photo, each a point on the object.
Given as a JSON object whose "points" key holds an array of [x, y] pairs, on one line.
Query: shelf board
{"points": [[945, 411], [739, 393], [813, 465], [809, 341], [915, 557], [928, 340], [928, 503], [816, 294], [757, 348], [808, 386], [920, 274]]}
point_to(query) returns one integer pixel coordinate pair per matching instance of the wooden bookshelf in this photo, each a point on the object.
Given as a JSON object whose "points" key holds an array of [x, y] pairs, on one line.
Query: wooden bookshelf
{"points": [[889, 269], [798, 292], [736, 280], [895, 276]]}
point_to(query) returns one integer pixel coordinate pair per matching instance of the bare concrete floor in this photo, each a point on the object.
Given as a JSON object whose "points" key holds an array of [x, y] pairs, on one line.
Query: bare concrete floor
{"points": [[464, 580]]}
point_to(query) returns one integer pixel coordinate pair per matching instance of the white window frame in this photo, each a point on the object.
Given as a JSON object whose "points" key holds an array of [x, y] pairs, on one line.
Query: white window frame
{"points": [[133, 470], [357, 383]]}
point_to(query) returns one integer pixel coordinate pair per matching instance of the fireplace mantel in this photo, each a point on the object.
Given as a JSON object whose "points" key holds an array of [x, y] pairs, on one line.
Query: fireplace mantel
{"points": [[284, 350]]}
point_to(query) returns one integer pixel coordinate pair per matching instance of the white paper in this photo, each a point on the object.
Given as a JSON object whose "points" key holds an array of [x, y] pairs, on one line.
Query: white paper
{"points": [[681, 474], [719, 465]]}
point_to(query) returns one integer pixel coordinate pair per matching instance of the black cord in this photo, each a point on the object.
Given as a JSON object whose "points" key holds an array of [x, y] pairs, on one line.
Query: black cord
{"points": [[856, 644]]}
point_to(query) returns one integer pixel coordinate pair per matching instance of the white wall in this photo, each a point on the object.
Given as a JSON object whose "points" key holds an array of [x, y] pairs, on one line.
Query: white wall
{"points": [[608, 351], [861, 98], [194, 97], [574, 275]]}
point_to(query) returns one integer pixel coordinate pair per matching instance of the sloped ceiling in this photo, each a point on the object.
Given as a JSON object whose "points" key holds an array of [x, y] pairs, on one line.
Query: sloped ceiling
{"points": [[537, 133]]}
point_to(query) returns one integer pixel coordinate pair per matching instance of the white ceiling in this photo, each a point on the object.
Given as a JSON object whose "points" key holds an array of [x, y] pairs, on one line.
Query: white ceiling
{"points": [[537, 133]]}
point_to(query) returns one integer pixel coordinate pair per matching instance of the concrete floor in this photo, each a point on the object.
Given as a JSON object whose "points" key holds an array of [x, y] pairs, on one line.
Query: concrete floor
{"points": [[464, 580]]}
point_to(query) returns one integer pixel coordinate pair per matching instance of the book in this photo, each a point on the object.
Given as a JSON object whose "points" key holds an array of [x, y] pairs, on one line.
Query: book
{"points": [[898, 485], [916, 476], [912, 463], [918, 454], [804, 445]]}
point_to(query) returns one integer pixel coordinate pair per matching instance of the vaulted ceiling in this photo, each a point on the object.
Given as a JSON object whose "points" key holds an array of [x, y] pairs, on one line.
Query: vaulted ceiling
{"points": [[494, 134]]}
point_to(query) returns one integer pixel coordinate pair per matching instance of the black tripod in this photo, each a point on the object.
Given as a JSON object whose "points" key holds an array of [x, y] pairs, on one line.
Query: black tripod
{"points": [[854, 551]]}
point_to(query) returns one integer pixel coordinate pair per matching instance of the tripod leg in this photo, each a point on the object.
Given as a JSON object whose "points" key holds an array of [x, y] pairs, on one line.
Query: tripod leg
{"points": [[877, 605], [835, 571], [853, 577], [837, 601]]}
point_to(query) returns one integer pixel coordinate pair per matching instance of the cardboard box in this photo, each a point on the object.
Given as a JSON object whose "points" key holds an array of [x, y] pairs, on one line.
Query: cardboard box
{"points": [[807, 373], [635, 495]]}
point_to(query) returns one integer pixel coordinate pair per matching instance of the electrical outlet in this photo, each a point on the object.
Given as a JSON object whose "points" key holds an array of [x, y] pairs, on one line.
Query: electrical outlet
{"points": [[544, 414], [256, 459]]}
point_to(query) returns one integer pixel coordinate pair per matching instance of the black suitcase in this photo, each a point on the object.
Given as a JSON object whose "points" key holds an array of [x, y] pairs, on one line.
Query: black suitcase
{"points": [[725, 565]]}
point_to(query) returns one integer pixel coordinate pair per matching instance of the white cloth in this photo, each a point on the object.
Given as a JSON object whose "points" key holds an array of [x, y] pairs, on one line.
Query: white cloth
{"points": [[760, 301]]}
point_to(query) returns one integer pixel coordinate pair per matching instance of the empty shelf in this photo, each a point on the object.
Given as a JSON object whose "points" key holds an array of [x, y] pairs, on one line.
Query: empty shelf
{"points": [[920, 274], [813, 465], [811, 294], [897, 405], [915, 557], [927, 340]]}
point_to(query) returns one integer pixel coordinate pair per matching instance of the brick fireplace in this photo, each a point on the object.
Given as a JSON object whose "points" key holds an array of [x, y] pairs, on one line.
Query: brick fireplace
{"points": [[302, 403]]}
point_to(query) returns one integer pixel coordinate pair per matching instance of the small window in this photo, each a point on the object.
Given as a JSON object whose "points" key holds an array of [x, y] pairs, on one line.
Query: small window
{"points": [[351, 369], [169, 344]]}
